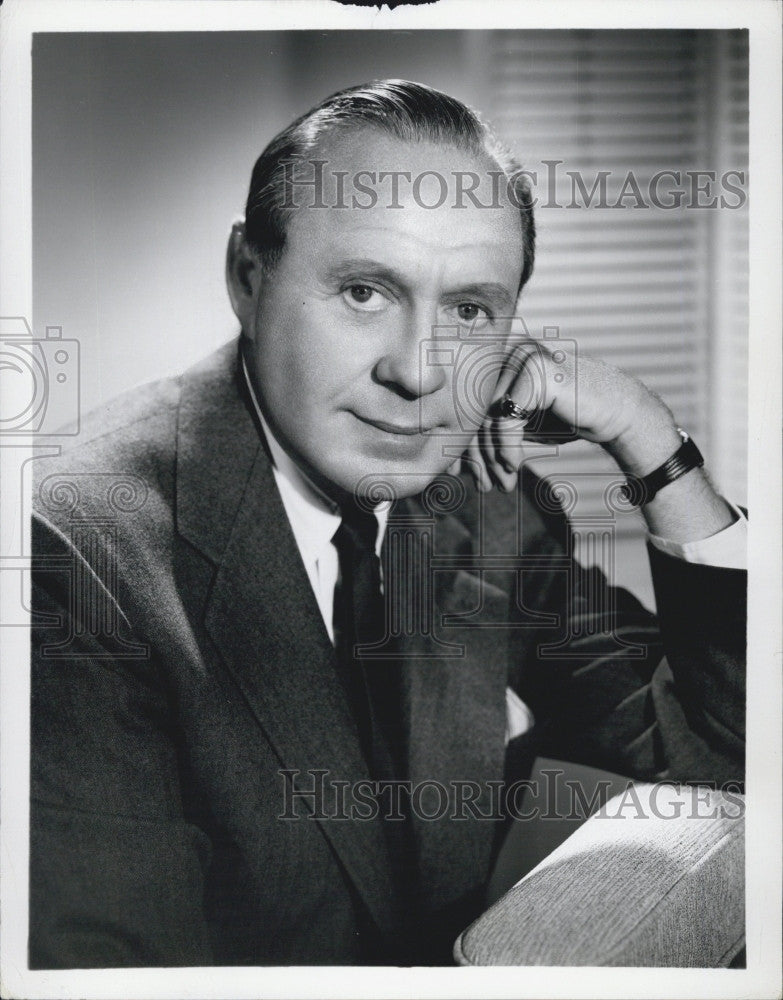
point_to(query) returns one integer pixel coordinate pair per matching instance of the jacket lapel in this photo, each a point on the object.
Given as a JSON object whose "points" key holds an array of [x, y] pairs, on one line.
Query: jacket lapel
{"points": [[455, 679], [263, 617]]}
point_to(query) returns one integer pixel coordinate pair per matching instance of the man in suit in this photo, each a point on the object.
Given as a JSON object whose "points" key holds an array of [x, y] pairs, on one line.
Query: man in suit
{"points": [[264, 595]]}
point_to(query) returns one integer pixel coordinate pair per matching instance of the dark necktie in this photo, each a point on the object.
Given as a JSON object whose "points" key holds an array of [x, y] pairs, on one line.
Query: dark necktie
{"points": [[359, 618], [374, 691]]}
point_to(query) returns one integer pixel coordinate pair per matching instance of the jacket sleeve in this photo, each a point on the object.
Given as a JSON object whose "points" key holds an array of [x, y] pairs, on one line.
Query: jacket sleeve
{"points": [[116, 873], [613, 687]]}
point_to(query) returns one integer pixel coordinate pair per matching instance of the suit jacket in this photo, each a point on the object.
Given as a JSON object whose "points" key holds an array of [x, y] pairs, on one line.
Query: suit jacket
{"points": [[184, 688]]}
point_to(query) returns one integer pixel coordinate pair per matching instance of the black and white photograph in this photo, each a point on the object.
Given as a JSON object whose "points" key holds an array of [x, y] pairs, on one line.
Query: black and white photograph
{"points": [[390, 442]]}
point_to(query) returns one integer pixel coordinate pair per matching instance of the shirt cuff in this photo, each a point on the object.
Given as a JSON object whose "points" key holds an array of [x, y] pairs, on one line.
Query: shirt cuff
{"points": [[727, 549]]}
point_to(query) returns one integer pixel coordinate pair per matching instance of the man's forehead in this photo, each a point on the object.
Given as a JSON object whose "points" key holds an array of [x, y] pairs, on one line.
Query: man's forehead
{"points": [[366, 184]]}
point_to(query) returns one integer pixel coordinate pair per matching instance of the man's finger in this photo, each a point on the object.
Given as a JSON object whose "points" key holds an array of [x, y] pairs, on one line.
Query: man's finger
{"points": [[504, 478], [508, 439], [475, 463]]}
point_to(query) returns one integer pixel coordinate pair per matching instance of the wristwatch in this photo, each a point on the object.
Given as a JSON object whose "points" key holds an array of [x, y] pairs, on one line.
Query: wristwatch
{"points": [[639, 490]]}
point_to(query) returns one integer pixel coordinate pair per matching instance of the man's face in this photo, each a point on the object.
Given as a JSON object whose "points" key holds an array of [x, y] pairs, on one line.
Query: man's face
{"points": [[336, 345]]}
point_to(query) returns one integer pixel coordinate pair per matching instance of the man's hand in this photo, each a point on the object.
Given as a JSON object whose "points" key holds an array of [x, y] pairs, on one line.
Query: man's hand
{"points": [[599, 403]]}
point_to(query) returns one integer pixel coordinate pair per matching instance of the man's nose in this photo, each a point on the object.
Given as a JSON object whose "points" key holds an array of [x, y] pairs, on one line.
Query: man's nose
{"points": [[404, 367]]}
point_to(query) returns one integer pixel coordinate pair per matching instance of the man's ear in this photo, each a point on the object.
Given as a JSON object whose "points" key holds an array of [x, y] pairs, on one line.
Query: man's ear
{"points": [[243, 272]]}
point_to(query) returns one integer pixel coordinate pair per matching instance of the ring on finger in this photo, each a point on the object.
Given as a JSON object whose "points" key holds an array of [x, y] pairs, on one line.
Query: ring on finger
{"points": [[510, 408]]}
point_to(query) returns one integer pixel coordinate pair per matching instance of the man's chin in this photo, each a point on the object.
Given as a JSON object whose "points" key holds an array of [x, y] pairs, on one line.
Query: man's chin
{"points": [[384, 485], [381, 480]]}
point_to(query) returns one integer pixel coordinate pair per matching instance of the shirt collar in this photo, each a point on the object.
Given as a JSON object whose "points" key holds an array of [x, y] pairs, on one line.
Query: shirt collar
{"points": [[313, 516]]}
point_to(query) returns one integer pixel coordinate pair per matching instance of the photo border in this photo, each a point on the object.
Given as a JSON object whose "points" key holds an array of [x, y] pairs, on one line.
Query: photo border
{"points": [[19, 19]]}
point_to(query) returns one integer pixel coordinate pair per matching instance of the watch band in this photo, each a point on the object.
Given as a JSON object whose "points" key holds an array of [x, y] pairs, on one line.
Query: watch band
{"points": [[639, 490]]}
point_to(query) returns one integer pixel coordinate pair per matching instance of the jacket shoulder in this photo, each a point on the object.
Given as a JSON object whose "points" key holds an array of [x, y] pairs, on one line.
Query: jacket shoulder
{"points": [[119, 433], [125, 451], [127, 443]]}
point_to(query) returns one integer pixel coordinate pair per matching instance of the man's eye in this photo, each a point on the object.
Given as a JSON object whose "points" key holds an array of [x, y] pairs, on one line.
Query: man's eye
{"points": [[361, 293], [363, 296], [470, 311]]}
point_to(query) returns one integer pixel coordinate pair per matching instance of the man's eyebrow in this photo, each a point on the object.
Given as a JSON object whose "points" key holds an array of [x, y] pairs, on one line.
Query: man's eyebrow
{"points": [[350, 267]]}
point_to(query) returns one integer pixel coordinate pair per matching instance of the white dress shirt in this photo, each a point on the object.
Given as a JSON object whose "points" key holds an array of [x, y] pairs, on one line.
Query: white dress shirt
{"points": [[314, 519], [727, 549]]}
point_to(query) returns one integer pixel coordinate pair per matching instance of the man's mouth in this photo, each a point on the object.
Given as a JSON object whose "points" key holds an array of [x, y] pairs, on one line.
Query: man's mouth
{"points": [[400, 430]]}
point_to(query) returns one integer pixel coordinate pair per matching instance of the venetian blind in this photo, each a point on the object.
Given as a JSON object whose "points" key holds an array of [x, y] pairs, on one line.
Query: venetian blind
{"points": [[635, 284]]}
